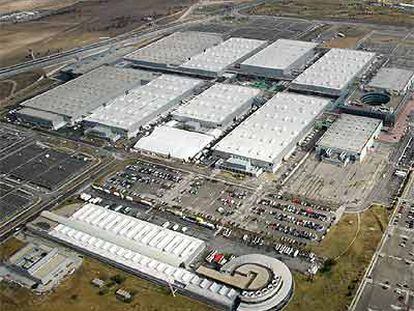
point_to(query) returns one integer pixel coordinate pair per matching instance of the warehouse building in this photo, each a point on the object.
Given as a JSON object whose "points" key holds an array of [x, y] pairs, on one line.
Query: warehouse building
{"points": [[393, 80], [348, 139], [41, 118], [77, 98], [125, 115], [214, 61], [173, 142], [172, 51], [147, 250], [281, 59], [216, 107], [333, 72], [151, 240], [271, 133]]}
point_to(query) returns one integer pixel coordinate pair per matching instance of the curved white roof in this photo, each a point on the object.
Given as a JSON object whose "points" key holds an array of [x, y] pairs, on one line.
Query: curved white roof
{"points": [[274, 298], [177, 143]]}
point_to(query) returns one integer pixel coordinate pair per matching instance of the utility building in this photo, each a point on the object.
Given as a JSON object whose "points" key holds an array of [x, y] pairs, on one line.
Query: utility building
{"points": [[271, 133], [280, 59], [214, 61], [333, 72], [217, 107], [348, 138], [125, 115]]}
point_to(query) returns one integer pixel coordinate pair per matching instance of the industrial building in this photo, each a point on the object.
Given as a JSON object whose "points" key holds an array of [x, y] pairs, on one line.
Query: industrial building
{"points": [[39, 267], [41, 118], [333, 72], [393, 80], [214, 61], [173, 142], [216, 107], [125, 115], [139, 247], [77, 98], [271, 133], [150, 240], [280, 59], [172, 51], [348, 139]]}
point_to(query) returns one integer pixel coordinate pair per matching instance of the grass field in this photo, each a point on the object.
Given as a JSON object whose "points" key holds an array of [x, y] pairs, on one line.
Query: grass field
{"points": [[360, 11], [76, 293], [333, 289]]}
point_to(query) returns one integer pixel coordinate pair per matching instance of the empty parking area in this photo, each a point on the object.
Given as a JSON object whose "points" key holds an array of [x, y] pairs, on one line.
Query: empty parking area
{"points": [[12, 199], [326, 182], [41, 165], [8, 138], [263, 28], [382, 42]]}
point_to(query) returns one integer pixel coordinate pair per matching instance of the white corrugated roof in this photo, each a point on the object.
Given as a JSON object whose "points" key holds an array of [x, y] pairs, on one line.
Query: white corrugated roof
{"points": [[177, 143], [142, 233], [144, 103], [176, 48], [219, 57], [281, 54], [335, 69], [82, 95], [217, 103], [349, 133], [268, 131]]}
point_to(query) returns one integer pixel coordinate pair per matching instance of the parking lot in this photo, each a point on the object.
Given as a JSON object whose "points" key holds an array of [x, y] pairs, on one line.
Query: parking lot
{"points": [[390, 284], [12, 199], [144, 179], [40, 165], [213, 199], [299, 223]]}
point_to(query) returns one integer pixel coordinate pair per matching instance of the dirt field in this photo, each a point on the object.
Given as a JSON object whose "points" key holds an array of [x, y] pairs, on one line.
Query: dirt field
{"points": [[7, 6], [353, 34], [76, 293], [336, 10], [327, 182], [78, 24], [352, 246], [9, 248]]}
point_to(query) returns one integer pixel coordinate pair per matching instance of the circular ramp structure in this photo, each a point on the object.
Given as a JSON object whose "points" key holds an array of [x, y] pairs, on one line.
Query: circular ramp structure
{"points": [[269, 285]]}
